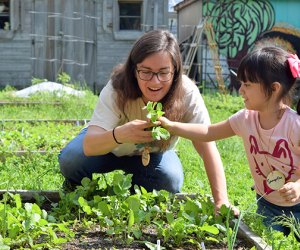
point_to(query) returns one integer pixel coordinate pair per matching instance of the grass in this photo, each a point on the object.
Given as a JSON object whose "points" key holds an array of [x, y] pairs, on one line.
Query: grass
{"points": [[42, 171], [70, 107], [239, 180]]}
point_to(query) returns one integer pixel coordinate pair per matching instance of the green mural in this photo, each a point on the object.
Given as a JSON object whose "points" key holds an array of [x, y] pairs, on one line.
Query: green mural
{"points": [[237, 24]]}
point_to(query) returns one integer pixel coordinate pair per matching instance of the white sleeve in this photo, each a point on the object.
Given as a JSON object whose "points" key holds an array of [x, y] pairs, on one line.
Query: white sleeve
{"points": [[106, 114], [196, 111]]}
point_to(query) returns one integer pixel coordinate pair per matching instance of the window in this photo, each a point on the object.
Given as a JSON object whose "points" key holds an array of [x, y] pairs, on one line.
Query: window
{"points": [[130, 15], [5, 23], [128, 19]]}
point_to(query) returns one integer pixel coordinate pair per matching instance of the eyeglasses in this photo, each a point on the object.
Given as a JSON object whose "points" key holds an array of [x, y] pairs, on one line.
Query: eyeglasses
{"points": [[147, 75]]}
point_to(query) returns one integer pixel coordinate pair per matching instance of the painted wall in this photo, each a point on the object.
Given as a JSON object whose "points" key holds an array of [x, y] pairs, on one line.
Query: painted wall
{"points": [[287, 12], [240, 25]]}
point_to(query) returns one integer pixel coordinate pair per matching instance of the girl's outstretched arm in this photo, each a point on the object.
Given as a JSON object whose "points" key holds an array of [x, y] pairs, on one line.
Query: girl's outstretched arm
{"points": [[199, 132]]}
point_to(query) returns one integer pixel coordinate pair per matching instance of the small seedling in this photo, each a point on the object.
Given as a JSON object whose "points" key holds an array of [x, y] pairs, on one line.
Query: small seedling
{"points": [[154, 112], [35, 80], [63, 78]]}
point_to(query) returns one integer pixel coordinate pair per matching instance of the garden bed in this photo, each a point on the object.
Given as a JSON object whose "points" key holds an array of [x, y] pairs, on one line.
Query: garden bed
{"points": [[95, 238], [33, 135]]}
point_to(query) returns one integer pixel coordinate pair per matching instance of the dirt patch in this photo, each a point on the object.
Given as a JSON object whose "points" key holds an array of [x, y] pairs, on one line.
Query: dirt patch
{"points": [[97, 239]]}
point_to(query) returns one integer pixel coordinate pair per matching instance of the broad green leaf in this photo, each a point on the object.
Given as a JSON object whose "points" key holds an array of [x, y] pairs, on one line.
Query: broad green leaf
{"points": [[170, 217], [133, 203], [137, 233], [18, 201], [131, 218], [159, 106], [210, 229], [104, 208], [84, 205]]}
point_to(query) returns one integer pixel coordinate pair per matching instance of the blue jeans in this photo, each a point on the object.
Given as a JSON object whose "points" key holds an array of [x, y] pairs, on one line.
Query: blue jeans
{"points": [[270, 211], [163, 172]]}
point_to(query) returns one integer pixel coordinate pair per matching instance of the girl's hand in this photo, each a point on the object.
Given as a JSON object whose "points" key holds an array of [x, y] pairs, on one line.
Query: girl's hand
{"points": [[136, 131], [164, 122], [291, 191]]}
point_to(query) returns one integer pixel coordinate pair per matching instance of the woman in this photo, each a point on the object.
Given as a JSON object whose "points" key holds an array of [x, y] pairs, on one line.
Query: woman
{"points": [[119, 132]]}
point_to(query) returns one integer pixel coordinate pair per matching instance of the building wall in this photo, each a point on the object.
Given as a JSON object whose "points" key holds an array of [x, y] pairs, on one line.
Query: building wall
{"points": [[189, 15], [79, 37], [15, 47], [256, 23], [240, 26]]}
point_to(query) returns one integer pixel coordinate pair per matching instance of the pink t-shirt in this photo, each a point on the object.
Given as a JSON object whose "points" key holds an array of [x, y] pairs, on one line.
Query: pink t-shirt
{"points": [[267, 150]]}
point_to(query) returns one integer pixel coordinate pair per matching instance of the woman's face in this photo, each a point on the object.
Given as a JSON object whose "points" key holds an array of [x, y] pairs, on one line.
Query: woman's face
{"points": [[156, 87]]}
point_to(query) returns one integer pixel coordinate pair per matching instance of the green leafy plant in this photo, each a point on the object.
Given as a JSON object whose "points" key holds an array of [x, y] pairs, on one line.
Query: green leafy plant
{"points": [[63, 78], [35, 80], [154, 112], [24, 225], [125, 217], [290, 222]]}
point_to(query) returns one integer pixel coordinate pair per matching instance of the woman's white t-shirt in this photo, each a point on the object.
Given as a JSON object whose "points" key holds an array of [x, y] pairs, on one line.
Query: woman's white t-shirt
{"points": [[107, 115]]}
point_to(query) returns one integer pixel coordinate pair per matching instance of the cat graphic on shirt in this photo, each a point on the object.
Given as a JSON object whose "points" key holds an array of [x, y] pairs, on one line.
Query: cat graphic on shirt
{"points": [[281, 151]]}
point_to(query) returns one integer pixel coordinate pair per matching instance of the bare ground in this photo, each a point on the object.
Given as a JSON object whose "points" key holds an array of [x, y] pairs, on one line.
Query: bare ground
{"points": [[96, 239]]}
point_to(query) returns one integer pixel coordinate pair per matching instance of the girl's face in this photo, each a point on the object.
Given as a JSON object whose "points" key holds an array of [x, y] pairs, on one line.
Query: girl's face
{"points": [[253, 95], [155, 86]]}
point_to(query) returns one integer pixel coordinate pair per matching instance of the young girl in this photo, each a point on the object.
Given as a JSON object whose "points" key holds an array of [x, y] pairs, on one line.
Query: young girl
{"points": [[270, 130]]}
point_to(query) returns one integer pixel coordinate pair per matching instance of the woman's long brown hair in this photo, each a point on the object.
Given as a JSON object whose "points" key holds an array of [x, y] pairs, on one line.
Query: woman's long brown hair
{"points": [[124, 79]]}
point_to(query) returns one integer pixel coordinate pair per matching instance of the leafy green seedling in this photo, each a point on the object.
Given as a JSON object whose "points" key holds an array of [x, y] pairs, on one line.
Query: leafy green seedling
{"points": [[154, 112]]}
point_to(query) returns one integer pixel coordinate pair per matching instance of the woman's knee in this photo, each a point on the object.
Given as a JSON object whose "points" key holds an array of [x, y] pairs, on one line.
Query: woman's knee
{"points": [[169, 172], [70, 161], [173, 182]]}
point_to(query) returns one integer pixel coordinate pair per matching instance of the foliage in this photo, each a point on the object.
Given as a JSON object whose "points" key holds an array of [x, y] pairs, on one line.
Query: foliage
{"points": [[35, 80], [290, 222], [154, 112], [29, 226], [66, 107], [125, 215], [25, 136], [19, 172], [122, 214], [63, 78]]}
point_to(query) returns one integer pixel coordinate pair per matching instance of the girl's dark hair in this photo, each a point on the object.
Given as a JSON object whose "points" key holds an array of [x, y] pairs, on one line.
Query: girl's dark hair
{"points": [[124, 78], [265, 66]]}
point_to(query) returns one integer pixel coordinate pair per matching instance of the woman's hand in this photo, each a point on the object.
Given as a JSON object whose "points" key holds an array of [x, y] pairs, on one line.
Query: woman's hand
{"points": [[99, 141], [136, 131], [235, 210]]}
